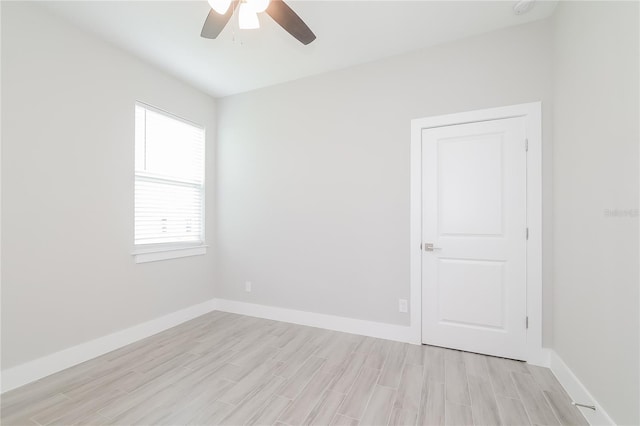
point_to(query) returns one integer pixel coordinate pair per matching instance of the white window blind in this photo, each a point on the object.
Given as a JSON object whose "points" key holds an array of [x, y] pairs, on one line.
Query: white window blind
{"points": [[169, 179]]}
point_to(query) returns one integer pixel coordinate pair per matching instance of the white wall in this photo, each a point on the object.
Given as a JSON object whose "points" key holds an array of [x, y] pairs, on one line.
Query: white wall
{"points": [[67, 189], [313, 175], [596, 114]]}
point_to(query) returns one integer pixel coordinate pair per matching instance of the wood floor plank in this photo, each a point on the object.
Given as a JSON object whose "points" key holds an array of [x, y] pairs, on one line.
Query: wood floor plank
{"points": [[325, 409], [270, 411], [189, 399], [161, 364], [456, 385], [410, 388], [340, 420], [545, 379], [433, 363], [259, 377], [457, 415], [279, 328], [198, 360], [476, 365], [234, 372], [566, 413], [333, 341], [133, 401], [365, 345], [148, 407], [292, 387], [392, 369], [202, 409], [539, 411], [347, 376], [93, 419], [402, 417], [208, 374], [432, 404], [378, 354], [307, 400], [158, 416], [19, 412], [415, 355], [339, 355], [290, 334], [250, 364], [354, 404], [110, 382], [253, 402], [259, 339], [295, 362], [512, 412], [72, 412], [209, 414], [23, 422], [39, 391], [379, 408], [295, 345], [251, 358], [500, 376], [184, 378], [483, 402]]}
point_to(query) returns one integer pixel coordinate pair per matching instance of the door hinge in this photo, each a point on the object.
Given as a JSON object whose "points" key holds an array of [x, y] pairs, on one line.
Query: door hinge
{"points": [[526, 145], [526, 322], [527, 233]]}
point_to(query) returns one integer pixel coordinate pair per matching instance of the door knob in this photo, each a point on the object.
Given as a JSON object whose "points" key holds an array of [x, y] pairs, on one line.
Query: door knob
{"points": [[430, 247]]}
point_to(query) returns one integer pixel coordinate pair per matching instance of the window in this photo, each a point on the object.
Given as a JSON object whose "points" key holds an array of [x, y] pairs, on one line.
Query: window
{"points": [[169, 186]]}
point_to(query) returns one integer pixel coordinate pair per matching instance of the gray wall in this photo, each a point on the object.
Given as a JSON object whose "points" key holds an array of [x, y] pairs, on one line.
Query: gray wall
{"points": [[313, 175], [67, 189], [595, 328]]}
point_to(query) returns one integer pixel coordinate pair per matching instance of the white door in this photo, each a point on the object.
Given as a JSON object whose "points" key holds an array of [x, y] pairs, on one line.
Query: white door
{"points": [[474, 237]]}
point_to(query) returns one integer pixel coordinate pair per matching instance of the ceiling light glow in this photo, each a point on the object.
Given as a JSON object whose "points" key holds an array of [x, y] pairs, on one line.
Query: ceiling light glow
{"points": [[220, 6], [247, 17], [258, 6]]}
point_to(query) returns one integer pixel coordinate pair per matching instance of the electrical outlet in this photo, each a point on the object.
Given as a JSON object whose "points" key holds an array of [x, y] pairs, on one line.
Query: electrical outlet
{"points": [[403, 305], [247, 286]]}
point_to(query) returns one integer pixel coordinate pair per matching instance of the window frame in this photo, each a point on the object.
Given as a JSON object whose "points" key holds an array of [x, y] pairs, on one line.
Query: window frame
{"points": [[152, 252]]}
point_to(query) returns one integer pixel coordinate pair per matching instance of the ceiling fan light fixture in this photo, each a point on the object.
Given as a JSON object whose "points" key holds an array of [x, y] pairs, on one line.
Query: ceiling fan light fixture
{"points": [[258, 6], [247, 17], [220, 6], [277, 10]]}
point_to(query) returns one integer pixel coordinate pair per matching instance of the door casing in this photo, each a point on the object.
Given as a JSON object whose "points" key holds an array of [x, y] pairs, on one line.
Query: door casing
{"points": [[532, 113]]}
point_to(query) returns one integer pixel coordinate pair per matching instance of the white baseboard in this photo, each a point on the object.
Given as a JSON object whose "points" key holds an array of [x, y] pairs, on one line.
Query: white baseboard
{"points": [[578, 392], [331, 322], [33, 370]]}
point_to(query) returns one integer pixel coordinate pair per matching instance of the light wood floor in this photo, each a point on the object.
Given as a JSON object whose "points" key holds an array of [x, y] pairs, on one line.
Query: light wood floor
{"points": [[230, 369]]}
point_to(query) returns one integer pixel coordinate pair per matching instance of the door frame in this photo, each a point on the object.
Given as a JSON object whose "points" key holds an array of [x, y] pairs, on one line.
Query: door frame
{"points": [[532, 113]]}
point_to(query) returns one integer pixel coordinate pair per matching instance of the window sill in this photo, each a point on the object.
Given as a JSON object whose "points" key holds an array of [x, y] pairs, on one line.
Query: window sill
{"points": [[154, 254]]}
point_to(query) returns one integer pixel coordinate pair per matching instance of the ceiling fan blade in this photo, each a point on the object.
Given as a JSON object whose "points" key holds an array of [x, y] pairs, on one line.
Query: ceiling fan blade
{"points": [[290, 21], [215, 23]]}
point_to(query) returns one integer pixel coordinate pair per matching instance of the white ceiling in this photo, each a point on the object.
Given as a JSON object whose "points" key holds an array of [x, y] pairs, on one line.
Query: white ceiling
{"points": [[167, 34]]}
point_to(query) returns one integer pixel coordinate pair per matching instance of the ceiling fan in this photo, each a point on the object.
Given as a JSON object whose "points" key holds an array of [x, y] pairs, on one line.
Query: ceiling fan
{"points": [[222, 10]]}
